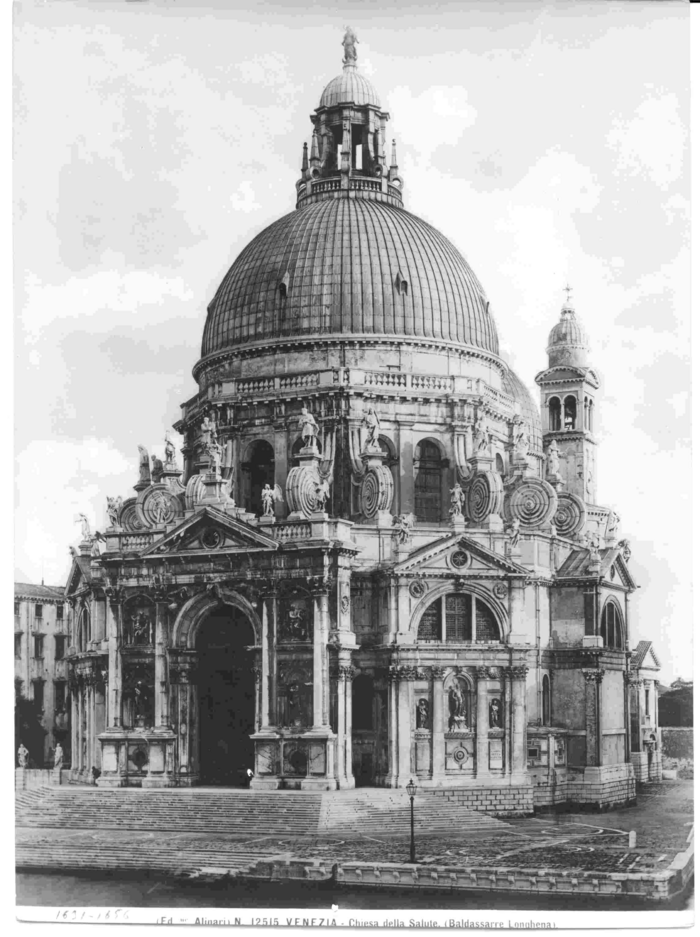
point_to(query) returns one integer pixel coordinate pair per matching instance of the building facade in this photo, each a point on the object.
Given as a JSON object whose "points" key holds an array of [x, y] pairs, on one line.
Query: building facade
{"points": [[41, 644], [380, 559]]}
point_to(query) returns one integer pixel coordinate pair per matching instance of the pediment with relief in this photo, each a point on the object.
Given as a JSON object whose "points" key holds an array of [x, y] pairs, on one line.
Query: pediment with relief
{"points": [[211, 530], [457, 555]]}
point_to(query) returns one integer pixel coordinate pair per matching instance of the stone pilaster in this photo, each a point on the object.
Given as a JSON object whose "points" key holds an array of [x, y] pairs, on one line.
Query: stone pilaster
{"points": [[393, 698], [405, 712], [593, 681], [482, 723], [114, 706], [344, 675], [161, 716], [438, 739], [321, 681], [519, 734]]}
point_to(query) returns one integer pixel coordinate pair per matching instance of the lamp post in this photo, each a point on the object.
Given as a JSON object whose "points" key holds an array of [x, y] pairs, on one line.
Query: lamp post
{"points": [[411, 791]]}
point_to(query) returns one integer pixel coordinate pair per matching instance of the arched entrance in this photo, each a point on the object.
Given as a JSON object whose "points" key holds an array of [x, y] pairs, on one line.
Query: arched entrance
{"points": [[226, 689]]}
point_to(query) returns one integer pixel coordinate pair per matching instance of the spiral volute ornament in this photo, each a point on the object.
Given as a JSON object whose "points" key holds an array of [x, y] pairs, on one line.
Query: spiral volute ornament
{"points": [[484, 496], [533, 502], [377, 491], [301, 487], [157, 506], [194, 492], [570, 515], [127, 516]]}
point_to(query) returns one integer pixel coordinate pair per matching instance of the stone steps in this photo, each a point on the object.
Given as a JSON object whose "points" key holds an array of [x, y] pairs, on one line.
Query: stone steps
{"points": [[241, 812]]}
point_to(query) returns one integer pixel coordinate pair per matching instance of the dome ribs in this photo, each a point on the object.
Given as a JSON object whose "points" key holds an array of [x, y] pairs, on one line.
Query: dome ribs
{"points": [[384, 314], [342, 256]]}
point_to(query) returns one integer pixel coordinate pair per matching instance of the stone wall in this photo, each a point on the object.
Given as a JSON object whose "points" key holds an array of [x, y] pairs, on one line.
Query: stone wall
{"points": [[502, 800]]}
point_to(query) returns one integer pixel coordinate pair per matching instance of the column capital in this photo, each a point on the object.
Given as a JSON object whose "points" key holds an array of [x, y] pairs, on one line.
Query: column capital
{"points": [[592, 676], [113, 594], [517, 673], [482, 673], [437, 673]]}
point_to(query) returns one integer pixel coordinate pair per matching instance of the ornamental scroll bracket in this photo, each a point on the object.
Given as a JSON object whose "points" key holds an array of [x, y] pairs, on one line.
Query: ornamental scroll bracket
{"points": [[462, 448]]}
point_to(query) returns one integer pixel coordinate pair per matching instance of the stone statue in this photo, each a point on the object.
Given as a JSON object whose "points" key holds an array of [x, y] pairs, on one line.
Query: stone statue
{"points": [[350, 40], [157, 469], [58, 757], [160, 507], [613, 524], [144, 465], [457, 501], [553, 458], [72, 551], [309, 427], [624, 547], [140, 628], [214, 451], [513, 532], [422, 714], [114, 506], [521, 441], [96, 540], [458, 706], [169, 449], [23, 756], [495, 714], [403, 528], [371, 421], [322, 493], [269, 497], [85, 527], [481, 436]]}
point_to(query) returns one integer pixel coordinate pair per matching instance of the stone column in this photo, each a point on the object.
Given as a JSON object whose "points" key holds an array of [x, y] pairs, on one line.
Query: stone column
{"points": [[519, 720], [183, 682], [344, 742], [268, 613], [593, 679], [350, 777], [321, 627], [482, 723], [81, 710], [438, 739], [74, 725], [405, 740], [160, 716], [508, 721], [393, 705], [114, 706]]}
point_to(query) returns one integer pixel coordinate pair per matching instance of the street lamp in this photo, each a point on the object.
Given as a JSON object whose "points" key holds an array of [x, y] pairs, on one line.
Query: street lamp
{"points": [[411, 789]]}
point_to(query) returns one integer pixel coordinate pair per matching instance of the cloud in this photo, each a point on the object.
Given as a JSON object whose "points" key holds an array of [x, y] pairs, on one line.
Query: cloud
{"points": [[652, 143]]}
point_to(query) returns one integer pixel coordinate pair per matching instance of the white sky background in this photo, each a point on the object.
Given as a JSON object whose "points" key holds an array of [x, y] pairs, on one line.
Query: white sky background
{"points": [[154, 139]]}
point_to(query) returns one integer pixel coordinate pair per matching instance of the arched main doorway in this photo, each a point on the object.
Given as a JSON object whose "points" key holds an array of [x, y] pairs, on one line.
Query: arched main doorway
{"points": [[226, 697]]}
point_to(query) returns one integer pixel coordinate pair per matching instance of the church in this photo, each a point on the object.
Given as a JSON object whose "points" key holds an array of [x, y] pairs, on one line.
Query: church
{"points": [[378, 559]]}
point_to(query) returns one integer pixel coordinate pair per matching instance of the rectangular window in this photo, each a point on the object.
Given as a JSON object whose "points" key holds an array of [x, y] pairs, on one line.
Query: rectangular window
{"points": [[16, 608], [38, 693], [646, 702], [38, 645], [458, 610], [59, 613], [60, 646], [18, 646], [38, 611], [59, 696]]}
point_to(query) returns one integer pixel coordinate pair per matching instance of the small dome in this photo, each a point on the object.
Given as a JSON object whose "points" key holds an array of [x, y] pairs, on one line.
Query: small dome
{"points": [[568, 342], [350, 86]]}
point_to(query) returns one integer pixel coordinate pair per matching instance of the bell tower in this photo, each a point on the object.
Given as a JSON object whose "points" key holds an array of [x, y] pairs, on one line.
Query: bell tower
{"points": [[568, 390]]}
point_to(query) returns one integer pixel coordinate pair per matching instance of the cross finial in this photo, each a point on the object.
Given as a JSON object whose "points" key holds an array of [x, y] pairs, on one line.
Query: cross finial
{"points": [[568, 290]]}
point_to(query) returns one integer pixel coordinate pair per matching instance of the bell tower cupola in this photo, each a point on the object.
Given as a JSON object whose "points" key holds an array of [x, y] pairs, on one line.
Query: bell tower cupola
{"points": [[568, 389], [348, 143]]}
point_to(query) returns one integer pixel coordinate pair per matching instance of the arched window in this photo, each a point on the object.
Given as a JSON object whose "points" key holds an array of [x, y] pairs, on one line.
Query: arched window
{"points": [[546, 701], [458, 618], [500, 467], [611, 626], [258, 471], [554, 413], [83, 629], [586, 413], [570, 412], [428, 486]]}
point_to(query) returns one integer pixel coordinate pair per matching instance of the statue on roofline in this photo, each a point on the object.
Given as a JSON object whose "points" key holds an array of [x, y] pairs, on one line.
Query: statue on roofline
{"points": [[350, 40]]}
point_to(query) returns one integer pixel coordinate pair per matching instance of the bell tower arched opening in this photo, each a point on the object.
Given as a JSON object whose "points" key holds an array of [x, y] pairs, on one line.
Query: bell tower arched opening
{"points": [[226, 690]]}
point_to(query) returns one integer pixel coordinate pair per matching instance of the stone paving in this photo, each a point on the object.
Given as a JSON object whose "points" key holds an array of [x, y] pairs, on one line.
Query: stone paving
{"points": [[567, 844]]}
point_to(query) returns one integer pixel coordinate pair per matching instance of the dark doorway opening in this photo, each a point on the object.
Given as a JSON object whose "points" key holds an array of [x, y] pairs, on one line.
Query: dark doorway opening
{"points": [[259, 471], [226, 698]]}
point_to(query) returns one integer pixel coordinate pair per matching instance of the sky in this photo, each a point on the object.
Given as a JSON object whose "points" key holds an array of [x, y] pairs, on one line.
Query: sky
{"points": [[153, 140]]}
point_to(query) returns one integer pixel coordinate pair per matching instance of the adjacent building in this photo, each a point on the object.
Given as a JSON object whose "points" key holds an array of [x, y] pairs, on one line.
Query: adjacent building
{"points": [[381, 559], [41, 643]]}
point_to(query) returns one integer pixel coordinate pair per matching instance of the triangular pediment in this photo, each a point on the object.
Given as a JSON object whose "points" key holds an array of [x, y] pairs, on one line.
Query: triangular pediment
{"points": [[212, 531], [448, 556], [616, 569], [644, 657], [79, 575]]}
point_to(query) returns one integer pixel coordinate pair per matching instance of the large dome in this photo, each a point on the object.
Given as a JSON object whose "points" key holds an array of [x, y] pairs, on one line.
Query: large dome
{"points": [[350, 266]]}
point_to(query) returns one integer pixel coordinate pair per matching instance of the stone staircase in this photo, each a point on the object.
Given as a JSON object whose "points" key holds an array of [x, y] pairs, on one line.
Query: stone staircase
{"points": [[222, 812]]}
